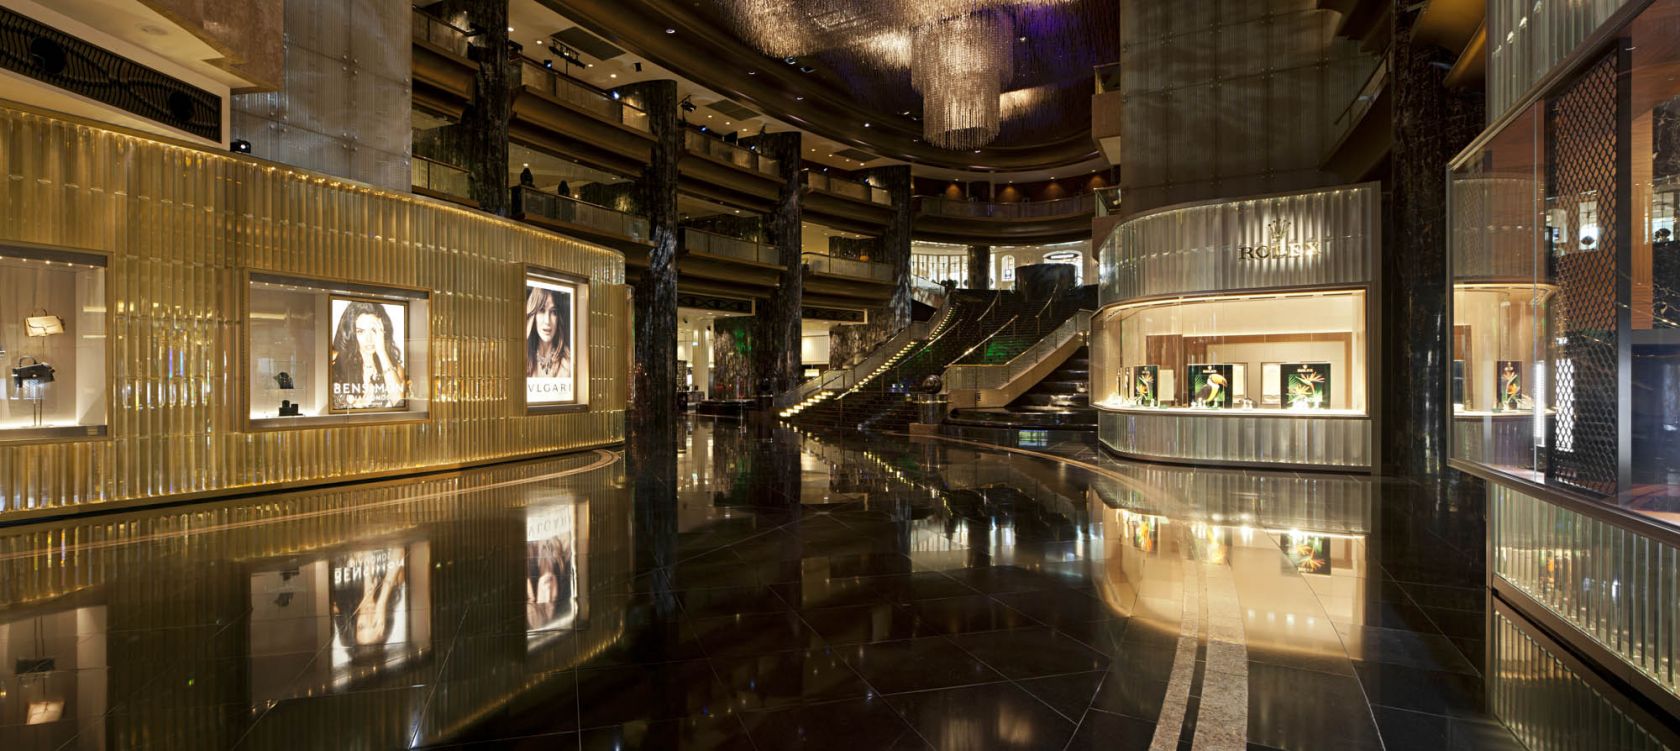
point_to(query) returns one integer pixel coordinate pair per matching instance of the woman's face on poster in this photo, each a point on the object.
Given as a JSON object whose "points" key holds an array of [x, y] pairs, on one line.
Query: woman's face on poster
{"points": [[370, 333], [548, 319]]}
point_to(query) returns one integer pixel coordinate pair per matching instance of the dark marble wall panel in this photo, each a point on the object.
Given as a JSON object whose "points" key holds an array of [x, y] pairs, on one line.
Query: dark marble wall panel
{"points": [[653, 379], [777, 357], [1431, 125], [479, 142], [895, 241], [1042, 281], [979, 267], [733, 343]]}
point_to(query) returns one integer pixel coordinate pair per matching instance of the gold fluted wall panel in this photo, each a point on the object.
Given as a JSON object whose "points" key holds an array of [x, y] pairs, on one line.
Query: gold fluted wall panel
{"points": [[182, 226]]}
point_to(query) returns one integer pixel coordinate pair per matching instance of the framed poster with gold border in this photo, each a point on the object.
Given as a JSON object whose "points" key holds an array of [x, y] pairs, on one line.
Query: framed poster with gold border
{"points": [[417, 346], [548, 394]]}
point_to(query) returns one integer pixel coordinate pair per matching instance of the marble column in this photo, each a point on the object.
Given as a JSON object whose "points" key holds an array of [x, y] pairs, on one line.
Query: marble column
{"points": [[979, 267], [776, 357], [895, 240], [1431, 124], [653, 379], [479, 143]]}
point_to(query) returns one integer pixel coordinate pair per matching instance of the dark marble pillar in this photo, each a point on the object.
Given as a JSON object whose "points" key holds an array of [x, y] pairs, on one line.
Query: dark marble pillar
{"points": [[895, 240], [653, 379], [979, 267], [777, 354], [479, 143], [1431, 125]]}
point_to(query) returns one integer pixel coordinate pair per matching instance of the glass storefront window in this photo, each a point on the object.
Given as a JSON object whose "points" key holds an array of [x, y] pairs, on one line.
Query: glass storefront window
{"points": [[1299, 351], [1566, 282], [53, 343], [323, 351]]}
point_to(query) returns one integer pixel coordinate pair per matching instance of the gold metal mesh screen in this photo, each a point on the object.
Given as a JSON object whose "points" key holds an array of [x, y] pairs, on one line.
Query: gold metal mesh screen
{"points": [[182, 226]]}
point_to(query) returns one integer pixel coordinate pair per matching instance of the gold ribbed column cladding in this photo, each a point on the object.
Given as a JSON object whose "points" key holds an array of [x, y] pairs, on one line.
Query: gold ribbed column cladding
{"points": [[182, 227]]}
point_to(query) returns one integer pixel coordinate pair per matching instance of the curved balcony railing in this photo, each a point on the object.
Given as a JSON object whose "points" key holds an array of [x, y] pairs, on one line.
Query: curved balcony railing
{"points": [[732, 153], [541, 78], [1081, 204], [436, 31], [437, 177], [531, 201], [824, 264], [858, 189], [712, 243], [976, 377]]}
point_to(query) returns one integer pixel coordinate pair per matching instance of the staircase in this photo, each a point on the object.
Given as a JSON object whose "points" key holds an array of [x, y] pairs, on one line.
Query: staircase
{"points": [[881, 398], [1061, 400]]}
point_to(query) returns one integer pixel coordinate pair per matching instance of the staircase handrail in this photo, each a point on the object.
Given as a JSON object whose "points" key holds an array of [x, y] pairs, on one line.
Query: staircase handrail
{"points": [[999, 375], [844, 378]]}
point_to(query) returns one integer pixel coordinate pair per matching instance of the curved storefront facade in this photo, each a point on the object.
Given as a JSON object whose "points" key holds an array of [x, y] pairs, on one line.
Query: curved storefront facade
{"points": [[183, 323], [1235, 333]]}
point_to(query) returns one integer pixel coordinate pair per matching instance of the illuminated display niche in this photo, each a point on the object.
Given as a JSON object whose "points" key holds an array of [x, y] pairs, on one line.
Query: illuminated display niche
{"points": [[1236, 332]]}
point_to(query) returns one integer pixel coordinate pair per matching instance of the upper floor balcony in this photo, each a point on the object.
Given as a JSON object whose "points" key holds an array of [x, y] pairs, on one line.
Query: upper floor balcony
{"points": [[587, 221], [947, 220], [439, 180], [443, 69], [851, 205], [728, 172]]}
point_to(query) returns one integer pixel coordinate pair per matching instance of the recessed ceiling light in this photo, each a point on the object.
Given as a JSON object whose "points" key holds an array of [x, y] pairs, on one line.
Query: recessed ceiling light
{"points": [[539, 42], [866, 125], [752, 72], [669, 30], [799, 99], [510, 29], [1023, 39], [615, 75]]}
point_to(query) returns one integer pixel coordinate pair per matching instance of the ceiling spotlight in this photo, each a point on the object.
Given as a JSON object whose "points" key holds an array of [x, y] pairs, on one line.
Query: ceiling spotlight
{"points": [[510, 29], [670, 30], [687, 104], [791, 60], [806, 69], [240, 146], [612, 75], [799, 99], [752, 72], [539, 42], [1023, 39]]}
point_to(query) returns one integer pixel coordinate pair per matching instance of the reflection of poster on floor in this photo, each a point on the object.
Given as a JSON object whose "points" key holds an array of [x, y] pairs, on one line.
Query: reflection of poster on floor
{"points": [[1144, 532], [1308, 554], [317, 625], [551, 571], [1211, 544], [53, 677]]}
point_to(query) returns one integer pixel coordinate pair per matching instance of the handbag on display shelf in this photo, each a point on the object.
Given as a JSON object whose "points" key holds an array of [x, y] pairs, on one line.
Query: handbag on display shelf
{"points": [[43, 324], [33, 374]]}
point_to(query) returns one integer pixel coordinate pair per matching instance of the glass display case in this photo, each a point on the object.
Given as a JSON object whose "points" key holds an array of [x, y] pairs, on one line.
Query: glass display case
{"points": [[1294, 351], [1566, 286], [334, 352], [53, 342], [1236, 332]]}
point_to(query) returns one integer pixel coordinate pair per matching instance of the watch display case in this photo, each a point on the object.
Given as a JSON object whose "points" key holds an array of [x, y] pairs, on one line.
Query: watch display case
{"points": [[1236, 332], [1267, 352], [329, 352], [53, 344]]}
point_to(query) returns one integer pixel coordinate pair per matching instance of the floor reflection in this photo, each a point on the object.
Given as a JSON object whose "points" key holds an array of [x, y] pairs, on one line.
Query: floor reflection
{"points": [[769, 589]]}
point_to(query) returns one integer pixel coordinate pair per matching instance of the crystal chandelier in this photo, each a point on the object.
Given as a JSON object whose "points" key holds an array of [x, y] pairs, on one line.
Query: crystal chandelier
{"points": [[960, 66]]}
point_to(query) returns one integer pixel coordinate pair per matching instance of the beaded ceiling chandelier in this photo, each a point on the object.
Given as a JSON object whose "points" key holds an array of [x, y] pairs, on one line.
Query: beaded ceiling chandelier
{"points": [[960, 53]]}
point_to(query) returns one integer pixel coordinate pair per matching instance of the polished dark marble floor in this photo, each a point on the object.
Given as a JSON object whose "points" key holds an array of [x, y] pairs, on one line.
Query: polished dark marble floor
{"points": [[766, 590]]}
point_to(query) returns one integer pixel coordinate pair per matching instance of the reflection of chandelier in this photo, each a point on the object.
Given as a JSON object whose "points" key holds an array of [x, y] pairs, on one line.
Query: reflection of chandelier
{"points": [[960, 66]]}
